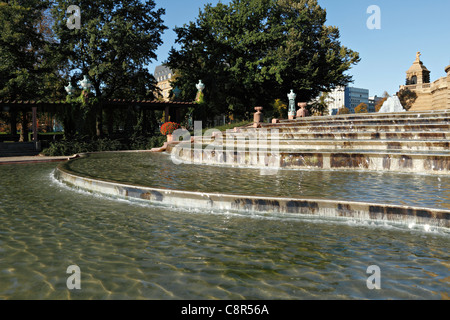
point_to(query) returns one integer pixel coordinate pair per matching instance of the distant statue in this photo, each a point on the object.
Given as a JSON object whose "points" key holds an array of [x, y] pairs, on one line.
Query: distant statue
{"points": [[418, 56]]}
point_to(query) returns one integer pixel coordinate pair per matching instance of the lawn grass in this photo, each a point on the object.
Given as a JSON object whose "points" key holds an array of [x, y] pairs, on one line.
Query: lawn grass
{"points": [[228, 126]]}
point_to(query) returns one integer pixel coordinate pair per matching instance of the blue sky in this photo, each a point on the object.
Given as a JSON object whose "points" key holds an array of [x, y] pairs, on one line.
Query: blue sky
{"points": [[407, 26]]}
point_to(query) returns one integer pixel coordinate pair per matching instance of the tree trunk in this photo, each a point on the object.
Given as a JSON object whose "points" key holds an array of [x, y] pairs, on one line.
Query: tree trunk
{"points": [[99, 121]]}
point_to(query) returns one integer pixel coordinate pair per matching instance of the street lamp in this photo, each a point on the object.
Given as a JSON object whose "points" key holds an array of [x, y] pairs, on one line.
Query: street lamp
{"points": [[85, 83], [200, 86], [70, 89], [291, 97]]}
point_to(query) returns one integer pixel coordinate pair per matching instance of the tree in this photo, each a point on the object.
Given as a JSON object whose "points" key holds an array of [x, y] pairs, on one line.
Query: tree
{"points": [[361, 108], [279, 109], [116, 41], [343, 110], [407, 98], [27, 70], [320, 105], [252, 52]]}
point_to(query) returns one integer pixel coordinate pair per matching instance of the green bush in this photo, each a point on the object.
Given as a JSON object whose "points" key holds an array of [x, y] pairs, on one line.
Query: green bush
{"points": [[70, 147]]}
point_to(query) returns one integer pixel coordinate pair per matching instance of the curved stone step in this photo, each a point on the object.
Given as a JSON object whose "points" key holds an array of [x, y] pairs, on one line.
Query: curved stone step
{"points": [[344, 122], [343, 135], [429, 163], [387, 116], [442, 127], [297, 144]]}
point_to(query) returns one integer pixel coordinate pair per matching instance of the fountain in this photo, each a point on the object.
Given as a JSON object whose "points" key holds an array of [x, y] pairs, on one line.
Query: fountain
{"points": [[407, 143], [303, 212], [392, 104]]}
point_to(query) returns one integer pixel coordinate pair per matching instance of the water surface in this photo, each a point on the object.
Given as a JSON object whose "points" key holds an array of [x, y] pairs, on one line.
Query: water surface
{"points": [[157, 170], [127, 250]]}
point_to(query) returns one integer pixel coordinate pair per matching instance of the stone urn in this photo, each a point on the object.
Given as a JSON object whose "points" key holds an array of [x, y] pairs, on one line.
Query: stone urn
{"points": [[169, 138], [302, 112], [258, 117]]}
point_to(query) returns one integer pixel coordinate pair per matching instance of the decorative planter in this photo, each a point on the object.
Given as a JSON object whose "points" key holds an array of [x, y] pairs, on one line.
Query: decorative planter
{"points": [[258, 117], [169, 138]]}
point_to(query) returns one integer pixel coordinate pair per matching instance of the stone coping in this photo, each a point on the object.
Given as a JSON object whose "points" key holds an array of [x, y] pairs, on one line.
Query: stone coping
{"points": [[423, 163], [288, 207], [34, 159]]}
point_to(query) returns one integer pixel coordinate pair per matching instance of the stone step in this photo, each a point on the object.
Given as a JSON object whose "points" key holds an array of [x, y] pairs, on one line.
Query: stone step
{"points": [[288, 144], [352, 128], [410, 115], [15, 149], [18, 154], [411, 135], [428, 163], [327, 122]]}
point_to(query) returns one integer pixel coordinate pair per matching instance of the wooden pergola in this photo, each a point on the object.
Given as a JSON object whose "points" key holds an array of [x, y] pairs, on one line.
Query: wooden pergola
{"points": [[171, 108]]}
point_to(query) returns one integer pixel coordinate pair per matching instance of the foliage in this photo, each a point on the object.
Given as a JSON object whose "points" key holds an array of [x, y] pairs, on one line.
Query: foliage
{"points": [[116, 42], [25, 52], [279, 109], [361, 108], [251, 52], [407, 98], [380, 103], [320, 105], [81, 145], [117, 39], [169, 128], [343, 110]]}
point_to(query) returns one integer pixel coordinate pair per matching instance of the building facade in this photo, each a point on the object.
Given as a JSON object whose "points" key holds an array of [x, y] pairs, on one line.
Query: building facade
{"points": [[373, 102], [430, 96], [163, 75], [354, 97], [348, 97]]}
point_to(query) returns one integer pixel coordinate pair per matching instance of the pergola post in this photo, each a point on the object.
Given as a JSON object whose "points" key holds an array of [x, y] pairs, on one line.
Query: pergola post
{"points": [[35, 124], [13, 121], [166, 114]]}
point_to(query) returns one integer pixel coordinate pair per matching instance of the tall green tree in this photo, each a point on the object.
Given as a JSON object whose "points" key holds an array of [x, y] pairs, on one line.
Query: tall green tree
{"points": [[23, 49], [116, 41], [27, 68], [252, 52]]}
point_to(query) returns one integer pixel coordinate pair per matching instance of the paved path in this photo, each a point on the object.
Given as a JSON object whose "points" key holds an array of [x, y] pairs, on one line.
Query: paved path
{"points": [[32, 159]]}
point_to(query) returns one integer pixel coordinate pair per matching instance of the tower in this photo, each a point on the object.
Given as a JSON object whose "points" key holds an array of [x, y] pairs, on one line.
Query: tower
{"points": [[418, 74]]}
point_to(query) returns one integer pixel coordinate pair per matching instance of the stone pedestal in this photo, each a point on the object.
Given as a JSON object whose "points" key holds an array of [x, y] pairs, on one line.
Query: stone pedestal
{"points": [[258, 117], [302, 112]]}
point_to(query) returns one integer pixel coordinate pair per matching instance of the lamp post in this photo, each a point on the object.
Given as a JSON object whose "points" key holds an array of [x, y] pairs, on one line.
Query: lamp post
{"points": [[200, 87], [69, 89], [85, 83], [291, 111]]}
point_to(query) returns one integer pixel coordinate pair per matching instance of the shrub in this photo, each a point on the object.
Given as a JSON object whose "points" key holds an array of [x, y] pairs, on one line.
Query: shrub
{"points": [[70, 147]]}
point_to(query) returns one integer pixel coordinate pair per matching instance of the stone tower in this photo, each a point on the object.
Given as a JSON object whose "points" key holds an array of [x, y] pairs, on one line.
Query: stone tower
{"points": [[430, 96], [418, 73]]}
